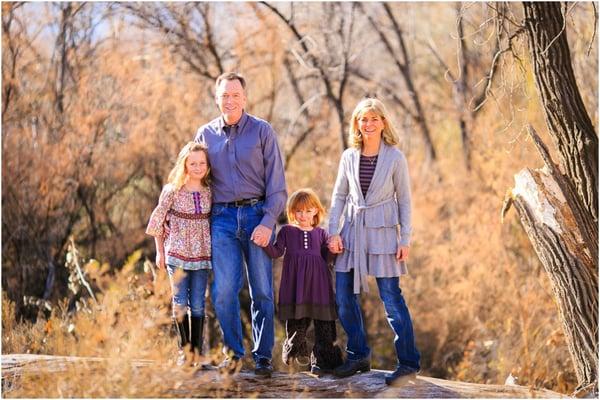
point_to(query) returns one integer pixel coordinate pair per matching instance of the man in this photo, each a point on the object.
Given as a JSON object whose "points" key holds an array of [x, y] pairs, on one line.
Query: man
{"points": [[249, 193]]}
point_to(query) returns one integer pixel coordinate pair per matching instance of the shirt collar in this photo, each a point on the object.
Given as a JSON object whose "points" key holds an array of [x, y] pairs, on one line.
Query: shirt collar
{"points": [[241, 122]]}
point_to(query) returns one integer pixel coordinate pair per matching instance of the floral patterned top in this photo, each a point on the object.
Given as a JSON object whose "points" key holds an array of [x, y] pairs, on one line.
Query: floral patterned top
{"points": [[188, 243]]}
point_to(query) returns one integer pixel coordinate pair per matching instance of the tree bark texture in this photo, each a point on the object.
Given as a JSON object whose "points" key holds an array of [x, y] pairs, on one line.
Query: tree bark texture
{"points": [[543, 199], [566, 116], [566, 236]]}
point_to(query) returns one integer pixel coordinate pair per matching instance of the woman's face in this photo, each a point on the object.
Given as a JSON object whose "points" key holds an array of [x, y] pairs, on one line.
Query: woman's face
{"points": [[370, 125]]}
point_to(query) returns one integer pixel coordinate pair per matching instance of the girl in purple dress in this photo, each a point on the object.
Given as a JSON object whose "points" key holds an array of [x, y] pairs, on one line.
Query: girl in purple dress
{"points": [[306, 290]]}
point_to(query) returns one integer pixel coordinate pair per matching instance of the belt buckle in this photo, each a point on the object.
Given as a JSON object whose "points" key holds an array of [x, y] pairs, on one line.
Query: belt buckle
{"points": [[245, 202]]}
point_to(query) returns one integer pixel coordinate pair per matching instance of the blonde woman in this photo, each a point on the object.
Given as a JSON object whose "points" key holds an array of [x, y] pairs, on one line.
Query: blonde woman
{"points": [[373, 188]]}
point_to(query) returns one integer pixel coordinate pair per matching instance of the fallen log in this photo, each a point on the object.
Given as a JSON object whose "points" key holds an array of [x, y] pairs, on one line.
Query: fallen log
{"points": [[17, 368]]}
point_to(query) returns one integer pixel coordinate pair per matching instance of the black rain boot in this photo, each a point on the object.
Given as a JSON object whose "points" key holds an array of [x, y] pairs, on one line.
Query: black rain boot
{"points": [[302, 354], [326, 355], [294, 353], [183, 336], [197, 339], [288, 351]]}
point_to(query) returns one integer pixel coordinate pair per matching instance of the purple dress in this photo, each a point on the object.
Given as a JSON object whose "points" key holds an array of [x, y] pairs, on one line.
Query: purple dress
{"points": [[306, 290]]}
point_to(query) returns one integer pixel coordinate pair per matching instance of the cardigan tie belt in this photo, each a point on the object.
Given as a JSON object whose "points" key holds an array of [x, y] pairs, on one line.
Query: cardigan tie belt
{"points": [[359, 250]]}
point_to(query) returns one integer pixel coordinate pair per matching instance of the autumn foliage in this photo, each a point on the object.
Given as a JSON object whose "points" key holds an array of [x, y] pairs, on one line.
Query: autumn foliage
{"points": [[97, 99]]}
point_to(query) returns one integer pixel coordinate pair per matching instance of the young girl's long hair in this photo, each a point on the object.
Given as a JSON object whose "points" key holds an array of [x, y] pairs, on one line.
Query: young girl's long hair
{"points": [[388, 135], [303, 199], [178, 174]]}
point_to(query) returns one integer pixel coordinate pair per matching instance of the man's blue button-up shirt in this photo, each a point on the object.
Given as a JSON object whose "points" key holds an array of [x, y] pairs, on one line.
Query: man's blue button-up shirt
{"points": [[245, 163]]}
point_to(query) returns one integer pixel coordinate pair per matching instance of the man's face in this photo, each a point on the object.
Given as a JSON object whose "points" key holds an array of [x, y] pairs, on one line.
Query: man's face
{"points": [[231, 100]]}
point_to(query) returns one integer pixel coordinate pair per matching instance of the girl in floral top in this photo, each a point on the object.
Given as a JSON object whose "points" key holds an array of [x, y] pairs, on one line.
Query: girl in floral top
{"points": [[185, 250]]}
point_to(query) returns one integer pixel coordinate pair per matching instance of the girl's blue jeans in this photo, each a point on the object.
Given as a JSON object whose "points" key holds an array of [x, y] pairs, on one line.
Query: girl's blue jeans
{"points": [[397, 315], [189, 289]]}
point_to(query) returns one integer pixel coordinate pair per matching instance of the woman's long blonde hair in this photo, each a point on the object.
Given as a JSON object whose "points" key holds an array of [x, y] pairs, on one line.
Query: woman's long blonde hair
{"points": [[178, 174], [303, 199], [389, 134]]}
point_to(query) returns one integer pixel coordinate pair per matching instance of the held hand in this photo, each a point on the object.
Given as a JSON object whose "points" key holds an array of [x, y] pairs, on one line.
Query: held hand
{"points": [[261, 235], [402, 253], [339, 243], [160, 260], [335, 244]]}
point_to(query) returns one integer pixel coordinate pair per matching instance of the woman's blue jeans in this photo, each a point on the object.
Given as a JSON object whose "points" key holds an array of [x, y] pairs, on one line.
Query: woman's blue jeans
{"points": [[189, 289], [397, 314], [232, 250]]}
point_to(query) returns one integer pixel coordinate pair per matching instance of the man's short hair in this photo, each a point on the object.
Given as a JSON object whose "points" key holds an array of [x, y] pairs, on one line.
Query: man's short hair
{"points": [[231, 76]]}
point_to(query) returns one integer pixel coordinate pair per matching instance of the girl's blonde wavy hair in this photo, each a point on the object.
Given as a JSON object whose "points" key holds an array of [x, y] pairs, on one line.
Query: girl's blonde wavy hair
{"points": [[389, 134], [178, 174], [303, 199]]}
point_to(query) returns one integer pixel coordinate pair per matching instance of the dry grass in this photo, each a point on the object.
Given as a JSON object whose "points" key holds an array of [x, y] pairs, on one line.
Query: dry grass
{"points": [[130, 322]]}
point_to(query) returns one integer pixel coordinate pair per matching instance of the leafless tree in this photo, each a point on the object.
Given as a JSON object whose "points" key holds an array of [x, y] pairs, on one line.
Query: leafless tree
{"points": [[401, 59], [332, 72], [558, 205], [189, 30]]}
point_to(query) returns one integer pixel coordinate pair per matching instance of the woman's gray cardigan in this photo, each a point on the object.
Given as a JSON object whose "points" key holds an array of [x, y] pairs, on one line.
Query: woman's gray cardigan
{"points": [[370, 227]]}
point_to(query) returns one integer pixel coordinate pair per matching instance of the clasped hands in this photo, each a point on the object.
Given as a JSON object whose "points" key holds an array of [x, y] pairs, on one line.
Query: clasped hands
{"points": [[335, 244], [261, 235]]}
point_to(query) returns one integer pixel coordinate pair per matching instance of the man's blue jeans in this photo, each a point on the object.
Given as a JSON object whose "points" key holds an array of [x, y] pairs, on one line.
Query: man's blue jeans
{"points": [[397, 314], [231, 228], [189, 289]]}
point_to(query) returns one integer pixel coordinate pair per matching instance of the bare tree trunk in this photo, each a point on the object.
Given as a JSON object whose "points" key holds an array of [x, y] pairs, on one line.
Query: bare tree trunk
{"points": [[543, 201], [460, 91], [467, 103], [407, 74], [62, 44], [11, 54], [334, 94], [559, 212], [49, 280], [402, 62], [566, 116], [304, 110]]}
